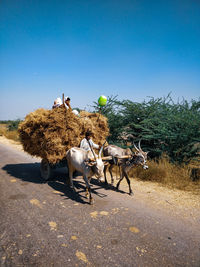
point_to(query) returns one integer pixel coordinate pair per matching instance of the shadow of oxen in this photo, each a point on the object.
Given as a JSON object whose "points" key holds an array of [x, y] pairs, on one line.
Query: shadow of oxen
{"points": [[30, 173]]}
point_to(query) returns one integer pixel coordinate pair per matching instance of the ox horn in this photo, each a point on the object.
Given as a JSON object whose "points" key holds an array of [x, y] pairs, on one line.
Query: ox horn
{"points": [[92, 150], [139, 145], [93, 153], [135, 146], [100, 151]]}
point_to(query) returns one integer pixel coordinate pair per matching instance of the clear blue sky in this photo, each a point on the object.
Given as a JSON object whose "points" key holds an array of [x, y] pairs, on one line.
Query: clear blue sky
{"points": [[133, 49]]}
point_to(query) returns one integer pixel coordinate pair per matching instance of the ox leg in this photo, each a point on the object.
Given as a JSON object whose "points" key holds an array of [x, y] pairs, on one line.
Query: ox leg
{"points": [[129, 184], [88, 189], [87, 193], [105, 169], [121, 178], [119, 169], [71, 179], [111, 175]]}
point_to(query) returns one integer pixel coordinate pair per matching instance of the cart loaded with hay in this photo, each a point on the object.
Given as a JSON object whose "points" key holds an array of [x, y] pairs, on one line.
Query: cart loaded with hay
{"points": [[48, 134]]}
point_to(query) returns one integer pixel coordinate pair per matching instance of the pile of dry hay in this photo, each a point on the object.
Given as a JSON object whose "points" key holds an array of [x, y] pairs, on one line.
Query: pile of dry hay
{"points": [[50, 133]]}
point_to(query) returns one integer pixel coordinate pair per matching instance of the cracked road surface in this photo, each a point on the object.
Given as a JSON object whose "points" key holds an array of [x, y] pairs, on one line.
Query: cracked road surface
{"points": [[45, 224]]}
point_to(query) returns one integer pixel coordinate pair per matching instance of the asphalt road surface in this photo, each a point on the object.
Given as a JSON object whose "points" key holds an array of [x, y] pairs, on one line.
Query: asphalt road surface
{"points": [[45, 224]]}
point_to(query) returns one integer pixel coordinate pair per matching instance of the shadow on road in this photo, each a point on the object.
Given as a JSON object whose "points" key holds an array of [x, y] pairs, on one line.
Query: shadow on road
{"points": [[30, 172], [79, 194]]}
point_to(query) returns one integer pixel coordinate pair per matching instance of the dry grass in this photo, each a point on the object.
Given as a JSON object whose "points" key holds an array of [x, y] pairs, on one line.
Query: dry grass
{"points": [[167, 174], [13, 135]]}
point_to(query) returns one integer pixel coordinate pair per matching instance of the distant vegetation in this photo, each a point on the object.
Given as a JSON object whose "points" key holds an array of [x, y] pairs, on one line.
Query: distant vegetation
{"points": [[9, 129], [11, 125], [163, 126]]}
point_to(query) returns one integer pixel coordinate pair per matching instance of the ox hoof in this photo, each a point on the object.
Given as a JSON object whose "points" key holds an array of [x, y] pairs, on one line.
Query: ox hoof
{"points": [[112, 185], [91, 201], [131, 194], [73, 189], [107, 186], [101, 179]]}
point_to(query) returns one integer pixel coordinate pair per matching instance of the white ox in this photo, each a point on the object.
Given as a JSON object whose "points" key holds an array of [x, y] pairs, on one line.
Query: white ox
{"points": [[81, 160]]}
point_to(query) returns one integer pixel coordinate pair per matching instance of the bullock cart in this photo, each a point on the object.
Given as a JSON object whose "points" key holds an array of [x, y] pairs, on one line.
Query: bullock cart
{"points": [[49, 134], [47, 169]]}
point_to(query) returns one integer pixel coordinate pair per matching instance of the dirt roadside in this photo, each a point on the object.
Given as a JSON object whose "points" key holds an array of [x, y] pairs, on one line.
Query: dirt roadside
{"points": [[158, 196], [10, 143]]}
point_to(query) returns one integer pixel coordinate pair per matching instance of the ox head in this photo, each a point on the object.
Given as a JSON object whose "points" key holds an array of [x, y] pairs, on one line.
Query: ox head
{"points": [[97, 164], [140, 156]]}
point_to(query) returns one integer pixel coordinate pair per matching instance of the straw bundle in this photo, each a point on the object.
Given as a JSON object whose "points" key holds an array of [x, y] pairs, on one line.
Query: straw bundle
{"points": [[50, 133]]}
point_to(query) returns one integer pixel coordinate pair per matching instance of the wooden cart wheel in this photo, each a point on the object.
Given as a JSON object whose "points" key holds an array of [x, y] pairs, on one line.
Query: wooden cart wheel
{"points": [[45, 170]]}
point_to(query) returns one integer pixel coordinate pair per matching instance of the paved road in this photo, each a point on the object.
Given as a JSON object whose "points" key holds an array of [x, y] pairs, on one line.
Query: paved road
{"points": [[45, 224]]}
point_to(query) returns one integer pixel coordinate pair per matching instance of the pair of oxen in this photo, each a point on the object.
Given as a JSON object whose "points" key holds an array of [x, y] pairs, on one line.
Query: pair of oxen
{"points": [[90, 164]]}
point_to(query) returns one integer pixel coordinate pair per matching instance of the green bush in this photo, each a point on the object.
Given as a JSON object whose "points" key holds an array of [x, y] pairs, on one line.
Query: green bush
{"points": [[162, 125], [11, 124]]}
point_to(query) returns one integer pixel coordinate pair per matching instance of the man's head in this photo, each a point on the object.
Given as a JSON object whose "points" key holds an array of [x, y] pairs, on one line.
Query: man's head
{"points": [[58, 101], [88, 134], [67, 99]]}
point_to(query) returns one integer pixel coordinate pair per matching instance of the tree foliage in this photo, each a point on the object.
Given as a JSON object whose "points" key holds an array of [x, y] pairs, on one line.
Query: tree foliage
{"points": [[11, 124], [162, 125]]}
